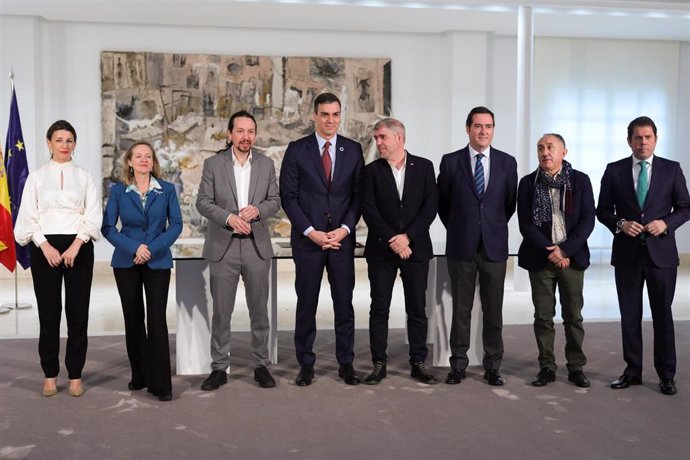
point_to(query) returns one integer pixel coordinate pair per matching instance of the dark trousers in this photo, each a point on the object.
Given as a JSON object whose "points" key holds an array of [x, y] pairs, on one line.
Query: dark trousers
{"points": [[570, 284], [48, 289], [463, 278], [309, 266], [146, 329], [661, 287], [382, 275]]}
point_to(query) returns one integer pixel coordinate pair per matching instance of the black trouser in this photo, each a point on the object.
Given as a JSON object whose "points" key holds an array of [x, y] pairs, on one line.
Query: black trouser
{"points": [[382, 274], [48, 289], [146, 329]]}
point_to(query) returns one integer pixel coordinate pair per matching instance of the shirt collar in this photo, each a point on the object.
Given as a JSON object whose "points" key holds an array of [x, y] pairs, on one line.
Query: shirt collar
{"points": [[404, 163], [648, 160], [54, 164], [321, 141], [153, 185], [474, 153], [237, 163]]}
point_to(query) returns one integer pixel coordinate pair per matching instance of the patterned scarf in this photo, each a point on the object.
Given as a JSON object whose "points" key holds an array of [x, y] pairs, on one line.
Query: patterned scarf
{"points": [[541, 205]]}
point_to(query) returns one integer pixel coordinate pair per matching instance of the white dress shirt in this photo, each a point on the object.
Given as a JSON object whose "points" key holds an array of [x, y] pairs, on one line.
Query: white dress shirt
{"points": [[399, 175], [59, 199], [243, 174]]}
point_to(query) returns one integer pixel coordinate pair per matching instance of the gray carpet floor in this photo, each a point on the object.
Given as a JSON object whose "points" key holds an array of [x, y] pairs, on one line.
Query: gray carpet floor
{"points": [[398, 419]]}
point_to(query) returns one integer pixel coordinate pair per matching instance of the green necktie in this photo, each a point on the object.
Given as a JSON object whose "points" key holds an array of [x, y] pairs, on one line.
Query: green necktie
{"points": [[642, 183]]}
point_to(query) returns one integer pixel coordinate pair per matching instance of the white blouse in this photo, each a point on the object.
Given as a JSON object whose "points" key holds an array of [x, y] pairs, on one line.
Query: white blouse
{"points": [[59, 199]]}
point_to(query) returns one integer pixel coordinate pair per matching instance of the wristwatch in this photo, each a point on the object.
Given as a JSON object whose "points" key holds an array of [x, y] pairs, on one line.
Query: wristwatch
{"points": [[619, 225]]}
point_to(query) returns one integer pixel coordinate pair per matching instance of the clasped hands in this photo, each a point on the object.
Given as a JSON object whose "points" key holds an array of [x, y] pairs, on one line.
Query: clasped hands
{"points": [[142, 255], [400, 244], [557, 257], [54, 257], [654, 228], [241, 223], [328, 240]]}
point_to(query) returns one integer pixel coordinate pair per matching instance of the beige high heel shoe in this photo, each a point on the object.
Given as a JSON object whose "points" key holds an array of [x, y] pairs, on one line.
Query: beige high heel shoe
{"points": [[76, 392], [51, 390]]}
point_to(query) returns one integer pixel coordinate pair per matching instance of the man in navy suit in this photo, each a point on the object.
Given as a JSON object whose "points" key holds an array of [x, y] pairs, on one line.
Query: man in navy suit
{"points": [[319, 188], [556, 214], [643, 200], [399, 200], [477, 193]]}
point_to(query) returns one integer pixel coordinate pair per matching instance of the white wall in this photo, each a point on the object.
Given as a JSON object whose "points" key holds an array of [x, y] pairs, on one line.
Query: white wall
{"points": [[436, 79], [589, 90]]}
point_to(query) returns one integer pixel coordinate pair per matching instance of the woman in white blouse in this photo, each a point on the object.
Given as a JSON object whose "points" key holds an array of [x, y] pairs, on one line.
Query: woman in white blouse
{"points": [[60, 214]]}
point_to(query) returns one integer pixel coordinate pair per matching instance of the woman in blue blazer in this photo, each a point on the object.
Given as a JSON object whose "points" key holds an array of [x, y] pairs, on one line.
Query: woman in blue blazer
{"points": [[151, 221]]}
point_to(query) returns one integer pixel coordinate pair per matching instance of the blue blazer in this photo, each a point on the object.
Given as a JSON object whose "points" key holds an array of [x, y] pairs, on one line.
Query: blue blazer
{"points": [[157, 226], [469, 219], [667, 199], [306, 198], [533, 255]]}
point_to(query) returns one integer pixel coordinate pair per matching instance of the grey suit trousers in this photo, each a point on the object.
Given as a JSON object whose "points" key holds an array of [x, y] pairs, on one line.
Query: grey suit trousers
{"points": [[463, 277], [241, 259]]}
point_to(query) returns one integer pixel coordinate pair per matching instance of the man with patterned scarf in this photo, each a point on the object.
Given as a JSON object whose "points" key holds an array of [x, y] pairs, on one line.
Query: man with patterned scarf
{"points": [[556, 213]]}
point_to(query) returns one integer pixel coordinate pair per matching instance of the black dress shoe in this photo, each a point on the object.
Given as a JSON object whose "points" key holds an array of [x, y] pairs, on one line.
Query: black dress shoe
{"points": [[667, 387], [348, 374], [494, 378], [456, 376], [264, 377], [305, 376], [215, 380], [624, 381], [134, 386], [420, 373], [165, 396], [544, 376], [579, 379], [378, 374]]}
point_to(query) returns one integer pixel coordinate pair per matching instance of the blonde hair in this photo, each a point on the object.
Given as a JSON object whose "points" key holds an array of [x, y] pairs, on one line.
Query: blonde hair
{"points": [[128, 172]]}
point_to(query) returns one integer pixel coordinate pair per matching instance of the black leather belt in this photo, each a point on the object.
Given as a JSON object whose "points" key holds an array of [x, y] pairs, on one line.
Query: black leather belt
{"points": [[240, 236]]}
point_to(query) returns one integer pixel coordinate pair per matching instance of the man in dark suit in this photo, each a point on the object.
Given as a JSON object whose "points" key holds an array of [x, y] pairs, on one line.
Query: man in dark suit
{"points": [[477, 193], [643, 200], [556, 214], [320, 181], [237, 194], [399, 203]]}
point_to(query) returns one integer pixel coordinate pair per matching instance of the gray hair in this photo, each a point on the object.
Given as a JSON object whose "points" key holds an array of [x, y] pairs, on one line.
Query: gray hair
{"points": [[392, 124]]}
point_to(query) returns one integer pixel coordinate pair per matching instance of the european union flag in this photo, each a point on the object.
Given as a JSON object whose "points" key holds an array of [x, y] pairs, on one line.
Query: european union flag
{"points": [[17, 171]]}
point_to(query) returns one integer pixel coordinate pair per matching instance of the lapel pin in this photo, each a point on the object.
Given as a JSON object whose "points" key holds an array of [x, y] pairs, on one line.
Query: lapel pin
{"points": [[341, 149]]}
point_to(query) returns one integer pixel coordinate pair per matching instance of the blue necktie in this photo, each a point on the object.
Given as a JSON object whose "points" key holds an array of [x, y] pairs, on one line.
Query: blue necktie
{"points": [[479, 175]]}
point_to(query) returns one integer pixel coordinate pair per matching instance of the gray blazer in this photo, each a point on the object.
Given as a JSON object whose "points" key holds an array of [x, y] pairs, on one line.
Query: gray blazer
{"points": [[217, 199]]}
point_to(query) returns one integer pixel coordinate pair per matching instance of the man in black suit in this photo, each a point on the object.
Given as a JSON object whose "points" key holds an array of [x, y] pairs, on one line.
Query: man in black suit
{"points": [[477, 193], [643, 200], [556, 214], [399, 203], [320, 181]]}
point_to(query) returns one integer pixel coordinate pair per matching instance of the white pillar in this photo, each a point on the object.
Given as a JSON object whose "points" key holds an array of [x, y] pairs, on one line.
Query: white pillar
{"points": [[525, 63]]}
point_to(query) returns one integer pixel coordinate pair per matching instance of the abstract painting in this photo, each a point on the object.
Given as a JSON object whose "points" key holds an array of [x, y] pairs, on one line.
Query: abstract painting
{"points": [[181, 104]]}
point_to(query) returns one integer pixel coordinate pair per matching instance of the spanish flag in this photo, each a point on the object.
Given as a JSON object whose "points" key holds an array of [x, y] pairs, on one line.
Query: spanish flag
{"points": [[7, 253]]}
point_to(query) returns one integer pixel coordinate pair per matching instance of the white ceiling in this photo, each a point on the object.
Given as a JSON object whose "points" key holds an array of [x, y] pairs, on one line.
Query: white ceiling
{"points": [[661, 20]]}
